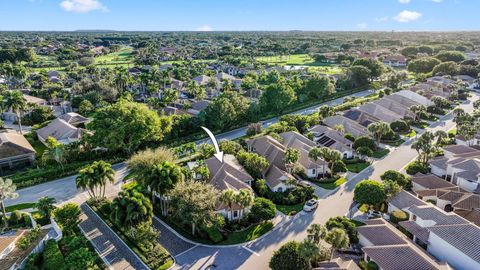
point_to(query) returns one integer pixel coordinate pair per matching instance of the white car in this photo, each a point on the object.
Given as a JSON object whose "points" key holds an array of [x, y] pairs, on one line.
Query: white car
{"points": [[310, 205]]}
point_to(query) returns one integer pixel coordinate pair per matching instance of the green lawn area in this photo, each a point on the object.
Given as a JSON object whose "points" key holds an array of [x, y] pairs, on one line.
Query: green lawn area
{"points": [[299, 60], [124, 55], [249, 234], [20, 206], [289, 209], [380, 153], [331, 185], [394, 143], [357, 167], [411, 134]]}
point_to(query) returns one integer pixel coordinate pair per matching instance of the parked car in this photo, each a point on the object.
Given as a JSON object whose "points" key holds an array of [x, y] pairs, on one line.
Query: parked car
{"points": [[374, 214], [310, 205]]}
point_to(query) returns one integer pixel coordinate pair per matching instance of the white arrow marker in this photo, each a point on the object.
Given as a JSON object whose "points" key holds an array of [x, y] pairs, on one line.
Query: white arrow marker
{"points": [[218, 154]]}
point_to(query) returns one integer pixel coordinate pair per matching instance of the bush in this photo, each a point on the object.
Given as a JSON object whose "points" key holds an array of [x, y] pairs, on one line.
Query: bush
{"points": [[339, 166], [349, 136], [67, 217], [34, 261], [52, 257], [214, 234], [344, 224], [371, 265], [287, 258], [369, 192], [81, 258], [398, 216], [16, 218], [364, 142], [415, 167], [28, 238], [400, 126], [254, 129], [262, 209], [401, 179]]}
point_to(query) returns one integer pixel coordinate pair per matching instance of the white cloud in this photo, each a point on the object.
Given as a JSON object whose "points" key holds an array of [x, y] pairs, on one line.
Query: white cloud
{"points": [[205, 28], [404, 1], [407, 16], [381, 19], [362, 26], [82, 6], [437, 1]]}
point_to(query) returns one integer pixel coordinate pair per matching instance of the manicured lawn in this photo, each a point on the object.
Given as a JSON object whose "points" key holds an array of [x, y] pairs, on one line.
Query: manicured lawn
{"points": [[20, 206], [290, 209], [249, 234], [300, 60], [380, 153], [357, 167], [331, 185], [394, 143], [124, 55]]}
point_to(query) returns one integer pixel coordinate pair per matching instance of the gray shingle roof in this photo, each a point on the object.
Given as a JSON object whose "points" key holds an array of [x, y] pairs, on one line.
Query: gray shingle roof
{"points": [[404, 257], [465, 238], [404, 199]]}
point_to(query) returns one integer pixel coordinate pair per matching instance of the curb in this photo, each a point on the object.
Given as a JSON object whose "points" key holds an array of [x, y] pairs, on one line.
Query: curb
{"points": [[217, 246]]}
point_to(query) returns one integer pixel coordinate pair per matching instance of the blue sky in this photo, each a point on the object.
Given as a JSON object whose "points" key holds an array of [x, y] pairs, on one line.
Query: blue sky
{"points": [[217, 15]]}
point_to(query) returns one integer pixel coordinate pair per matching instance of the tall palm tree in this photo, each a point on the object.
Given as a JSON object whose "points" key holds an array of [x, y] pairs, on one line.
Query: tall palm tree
{"points": [[315, 154], [245, 199], [331, 156], [160, 179], [378, 130], [105, 174], [7, 191], [291, 157], [316, 233], [227, 197], [337, 238], [15, 101], [94, 178], [45, 206], [308, 250]]}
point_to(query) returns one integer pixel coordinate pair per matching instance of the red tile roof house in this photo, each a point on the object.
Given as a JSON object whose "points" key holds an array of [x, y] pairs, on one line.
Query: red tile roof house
{"points": [[227, 175]]}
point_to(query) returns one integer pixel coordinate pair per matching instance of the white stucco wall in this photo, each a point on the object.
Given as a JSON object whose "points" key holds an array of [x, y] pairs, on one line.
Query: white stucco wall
{"points": [[443, 251]]}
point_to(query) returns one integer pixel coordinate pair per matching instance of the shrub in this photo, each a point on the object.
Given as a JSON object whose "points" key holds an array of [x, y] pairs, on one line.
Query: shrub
{"points": [[371, 265], [415, 167], [364, 142], [67, 217], [16, 218], [349, 136], [34, 261], [262, 209], [28, 238], [339, 166], [214, 234], [254, 129], [52, 257], [287, 257], [400, 126], [369, 192], [397, 177], [81, 258], [398, 216], [344, 224]]}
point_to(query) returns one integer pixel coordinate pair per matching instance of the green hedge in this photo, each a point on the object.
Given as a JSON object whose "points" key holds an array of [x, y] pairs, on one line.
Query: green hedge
{"points": [[398, 216], [52, 257]]}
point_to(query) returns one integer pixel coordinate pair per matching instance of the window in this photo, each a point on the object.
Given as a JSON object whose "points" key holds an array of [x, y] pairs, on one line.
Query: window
{"points": [[314, 171], [235, 214], [280, 189]]}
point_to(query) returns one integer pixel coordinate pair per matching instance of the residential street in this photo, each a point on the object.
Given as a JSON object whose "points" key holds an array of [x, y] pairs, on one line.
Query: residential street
{"points": [[255, 255]]}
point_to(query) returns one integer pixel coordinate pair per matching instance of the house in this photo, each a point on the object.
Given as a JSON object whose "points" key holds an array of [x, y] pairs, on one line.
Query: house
{"points": [[391, 250], [361, 117], [447, 236], [334, 139], [395, 61], [62, 131], [15, 152], [276, 175], [12, 116], [197, 107], [8, 241], [453, 154], [380, 112], [407, 102], [402, 201], [401, 110], [295, 140], [466, 174], [74, 119], [229, 175], [429, 181], [337, 264], [349, 126], [415, 97]]}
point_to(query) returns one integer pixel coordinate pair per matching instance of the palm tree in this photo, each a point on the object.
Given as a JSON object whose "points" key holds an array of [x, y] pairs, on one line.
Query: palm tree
{"points": [[7, 191], [337, 238], [245, 199], [308, 250], [15, 101], [316, 154], [54, 151], [227, 197], [105, 174], [160, 179], [95, 176], [331, 156], [417, 110], [291, 157], [316, 233], [378, 129], [45, 206], [441, 136]]}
